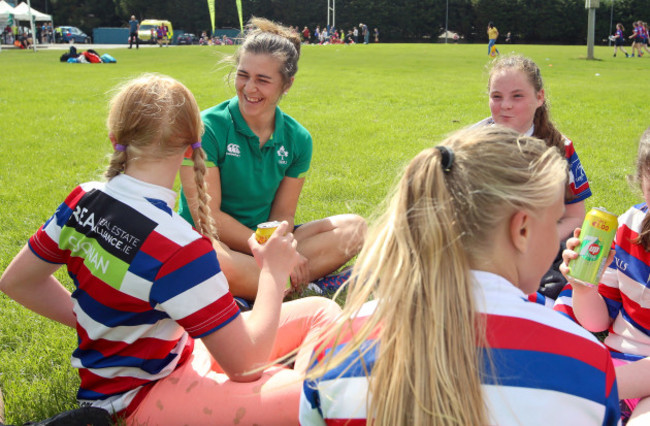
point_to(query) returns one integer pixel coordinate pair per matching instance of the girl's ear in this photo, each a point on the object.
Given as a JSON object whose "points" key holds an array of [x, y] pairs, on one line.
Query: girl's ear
{"points": [[520, 230], [288, 86], [111, 136], [541, 96]]}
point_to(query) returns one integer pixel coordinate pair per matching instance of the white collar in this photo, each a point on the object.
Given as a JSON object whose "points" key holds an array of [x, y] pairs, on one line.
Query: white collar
{"points": [[129, 187], [490, 288]]}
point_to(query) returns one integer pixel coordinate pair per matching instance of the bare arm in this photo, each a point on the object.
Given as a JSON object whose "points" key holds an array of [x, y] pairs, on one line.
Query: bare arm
{"points": [[29, 281], [246, 343], [286, 198], [284, 208], [634, 379], [231, 232]]}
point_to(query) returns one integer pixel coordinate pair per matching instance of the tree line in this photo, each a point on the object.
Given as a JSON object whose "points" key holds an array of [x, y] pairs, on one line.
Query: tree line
{"points": [[529, 21]]}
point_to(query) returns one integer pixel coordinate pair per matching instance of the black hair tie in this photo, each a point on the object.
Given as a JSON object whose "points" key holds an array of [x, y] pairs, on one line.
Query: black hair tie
{"points": [[446, 157]]}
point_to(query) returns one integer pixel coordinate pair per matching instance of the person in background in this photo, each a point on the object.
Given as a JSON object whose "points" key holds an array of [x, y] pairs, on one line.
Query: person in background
{"points": [[637, 39], [134, 26], [467, 234], [160, 338], [619, 40], [517, 100], [493, 34], [258, 157]]}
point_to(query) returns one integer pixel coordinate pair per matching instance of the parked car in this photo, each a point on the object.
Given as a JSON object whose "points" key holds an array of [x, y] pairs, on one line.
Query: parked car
{"points": [[147, 30], [71, 35], [187, 38]]}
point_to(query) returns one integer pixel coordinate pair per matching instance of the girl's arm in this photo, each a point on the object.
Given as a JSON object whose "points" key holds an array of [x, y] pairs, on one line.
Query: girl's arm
{"points": [[29, 281], [286, 198], [230, 231], [245, 343], [633, 379], [284, 209], [588, 305], [574, 215]]}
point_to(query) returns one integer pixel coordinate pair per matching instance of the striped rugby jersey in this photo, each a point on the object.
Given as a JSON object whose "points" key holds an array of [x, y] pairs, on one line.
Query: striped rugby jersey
{"points": [[548, 369], [146, 283], [578, 182], [625, 288]]}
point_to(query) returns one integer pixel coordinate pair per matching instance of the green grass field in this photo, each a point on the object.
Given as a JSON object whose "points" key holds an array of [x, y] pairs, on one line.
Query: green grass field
{"points": [[369, 109]]}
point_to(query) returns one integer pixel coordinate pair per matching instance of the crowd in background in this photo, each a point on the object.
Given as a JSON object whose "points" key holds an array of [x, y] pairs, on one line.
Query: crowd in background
{"points": [[333, 35], [639, 39]]}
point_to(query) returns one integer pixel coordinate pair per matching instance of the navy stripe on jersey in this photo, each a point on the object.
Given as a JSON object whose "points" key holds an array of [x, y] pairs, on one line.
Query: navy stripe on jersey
{"points": [[525, 369], [95, 359], [160, 204], [112, 317], [635, 268], [355, 365], [145, 266], [201, 269]]}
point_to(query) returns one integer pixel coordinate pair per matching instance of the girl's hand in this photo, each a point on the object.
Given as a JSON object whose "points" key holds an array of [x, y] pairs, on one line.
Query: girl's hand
{"points": [[569, 254], [278, 255], [300, 273]]}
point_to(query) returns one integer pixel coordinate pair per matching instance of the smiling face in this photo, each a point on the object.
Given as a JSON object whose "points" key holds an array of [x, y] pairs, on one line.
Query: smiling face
{"points": [[513, 99], [259, 84]]}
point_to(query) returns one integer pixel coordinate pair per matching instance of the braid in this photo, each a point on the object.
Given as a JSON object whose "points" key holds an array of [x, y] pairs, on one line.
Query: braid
{"points": [[205, 223], [545, 130], [116, 165]]}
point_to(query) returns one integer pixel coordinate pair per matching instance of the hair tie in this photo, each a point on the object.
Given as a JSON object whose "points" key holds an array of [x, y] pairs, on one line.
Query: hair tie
{"points": [[196, 145], [446, 157], [120, 147]]}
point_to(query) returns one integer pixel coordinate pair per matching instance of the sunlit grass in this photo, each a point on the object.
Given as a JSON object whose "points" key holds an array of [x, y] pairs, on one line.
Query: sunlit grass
{"points": [[369, 108]]}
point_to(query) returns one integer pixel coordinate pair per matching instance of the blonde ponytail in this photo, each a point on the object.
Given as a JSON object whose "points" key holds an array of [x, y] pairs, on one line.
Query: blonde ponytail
{"points": [[439, 221]]}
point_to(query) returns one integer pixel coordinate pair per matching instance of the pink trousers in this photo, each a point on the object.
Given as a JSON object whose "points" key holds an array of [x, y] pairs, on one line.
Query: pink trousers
{"points": [[199, 393]]}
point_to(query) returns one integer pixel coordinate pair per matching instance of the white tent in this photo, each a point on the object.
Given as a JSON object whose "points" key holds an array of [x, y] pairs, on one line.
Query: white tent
{"points": [[22, 13], [5, 11]]}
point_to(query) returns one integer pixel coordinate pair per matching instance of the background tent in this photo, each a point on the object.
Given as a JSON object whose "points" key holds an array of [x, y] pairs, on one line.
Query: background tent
{"points": [[5, 11], [21, 13]]}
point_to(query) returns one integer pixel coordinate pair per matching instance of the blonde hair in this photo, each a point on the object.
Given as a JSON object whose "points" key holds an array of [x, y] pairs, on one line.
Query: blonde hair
{"points": [[266, 37], [157, 110], [416, 263]]}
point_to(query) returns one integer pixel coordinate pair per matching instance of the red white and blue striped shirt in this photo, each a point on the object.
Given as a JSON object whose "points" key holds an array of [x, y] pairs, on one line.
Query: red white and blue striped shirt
{"points": [[625, 286], [146, 284], [548, 369], [578, 182]]}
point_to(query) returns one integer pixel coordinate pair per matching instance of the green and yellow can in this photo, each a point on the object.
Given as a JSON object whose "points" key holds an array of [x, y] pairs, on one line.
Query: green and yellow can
{"points": [[596, 236]]}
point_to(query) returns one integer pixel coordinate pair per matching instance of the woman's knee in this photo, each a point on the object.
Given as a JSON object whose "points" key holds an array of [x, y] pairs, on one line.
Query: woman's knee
{"points": [[353, 227]]}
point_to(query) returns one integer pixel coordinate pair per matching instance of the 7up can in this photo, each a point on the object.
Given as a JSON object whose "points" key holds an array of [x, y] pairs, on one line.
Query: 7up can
{"points": [[596, 236]]}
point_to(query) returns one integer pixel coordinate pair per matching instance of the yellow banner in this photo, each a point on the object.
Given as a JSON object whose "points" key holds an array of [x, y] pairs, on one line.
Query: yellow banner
{"points": [[241, 21], [211, 8]]}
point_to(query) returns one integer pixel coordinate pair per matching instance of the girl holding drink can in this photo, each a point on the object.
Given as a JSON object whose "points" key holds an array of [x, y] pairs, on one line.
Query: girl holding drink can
{"points": [[621, 301], [160, 338], [258, 157], [473, 221]]}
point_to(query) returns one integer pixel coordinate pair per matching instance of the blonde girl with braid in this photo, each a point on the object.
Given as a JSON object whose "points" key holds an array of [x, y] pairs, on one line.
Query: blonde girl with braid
{"points": [[448, 337], [161, 339], [258, 160]]}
